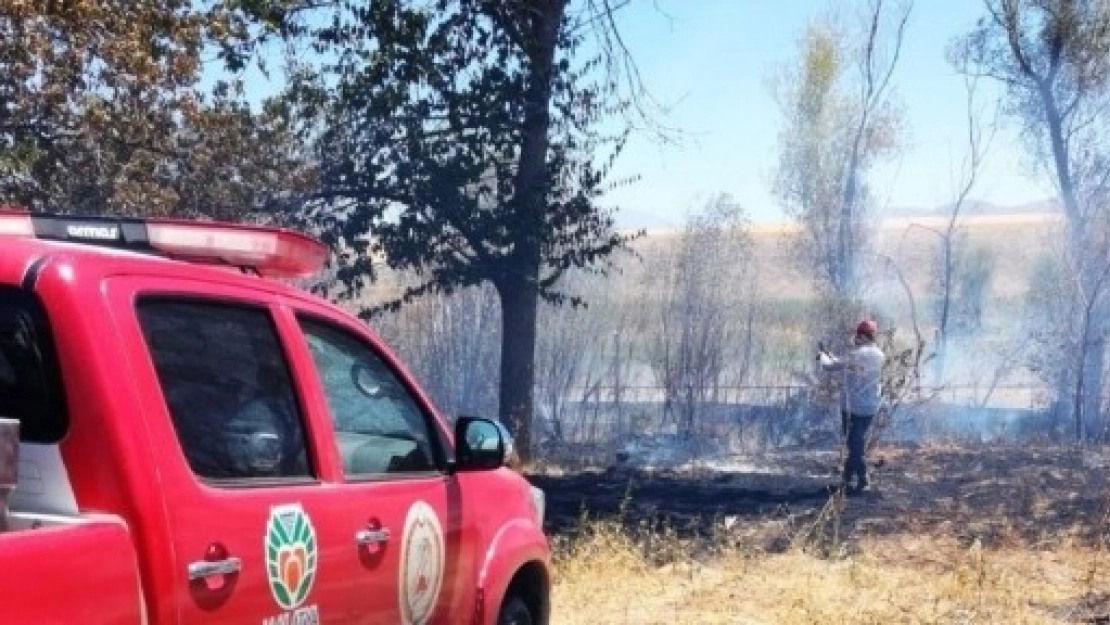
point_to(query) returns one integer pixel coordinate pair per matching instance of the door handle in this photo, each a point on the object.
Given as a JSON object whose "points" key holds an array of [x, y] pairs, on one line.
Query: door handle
{"points": [[371, 537], [212, 568]]}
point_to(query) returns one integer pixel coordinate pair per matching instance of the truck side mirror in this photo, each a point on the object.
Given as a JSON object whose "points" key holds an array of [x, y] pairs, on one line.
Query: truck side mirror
{"points": [[481, 444]]}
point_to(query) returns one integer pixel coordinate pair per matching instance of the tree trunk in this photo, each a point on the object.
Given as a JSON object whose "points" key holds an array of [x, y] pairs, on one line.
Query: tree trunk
{"points": [[1080, 402], [1092, 371], [1061, 161], [847, 253], [519, 304], [519, 288], [1091, 360], [1088, 386], [945, 305]]}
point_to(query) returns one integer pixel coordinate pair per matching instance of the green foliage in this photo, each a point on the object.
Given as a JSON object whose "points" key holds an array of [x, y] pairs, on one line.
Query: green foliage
{"points": [[822, 70], [100, 112], [972, 271], [1050, 55], [840, 120], [461, 140], [972, 285]]}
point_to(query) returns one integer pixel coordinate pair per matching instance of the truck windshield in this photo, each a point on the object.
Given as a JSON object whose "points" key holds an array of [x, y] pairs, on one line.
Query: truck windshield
{"points": [[30, 382]]}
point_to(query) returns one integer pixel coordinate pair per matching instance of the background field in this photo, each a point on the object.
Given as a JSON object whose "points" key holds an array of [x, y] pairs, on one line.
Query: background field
{"points": [[1015, 240]]}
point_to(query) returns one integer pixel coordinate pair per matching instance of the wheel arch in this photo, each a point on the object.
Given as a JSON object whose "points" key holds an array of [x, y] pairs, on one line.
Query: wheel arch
{"points": [[517, 557], [532, 583]]}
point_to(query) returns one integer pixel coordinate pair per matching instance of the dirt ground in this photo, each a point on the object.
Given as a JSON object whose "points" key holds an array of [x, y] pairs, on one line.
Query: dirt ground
{"points": [[1034, 494], [951, 535]]}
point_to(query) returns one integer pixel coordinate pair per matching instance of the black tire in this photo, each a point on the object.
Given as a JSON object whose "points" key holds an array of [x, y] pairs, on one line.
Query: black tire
{"points": [[515, 612]]}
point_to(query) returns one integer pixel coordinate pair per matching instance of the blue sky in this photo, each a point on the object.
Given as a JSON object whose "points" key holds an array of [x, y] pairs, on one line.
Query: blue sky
{"points": [[712, 59]]}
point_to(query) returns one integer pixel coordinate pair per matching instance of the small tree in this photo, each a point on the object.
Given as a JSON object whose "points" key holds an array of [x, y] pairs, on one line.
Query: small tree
{"points": [[1064, 328], [958, 284], [1048, 301], [696, 338], [579, 351], [972, 287], [840, 120]]}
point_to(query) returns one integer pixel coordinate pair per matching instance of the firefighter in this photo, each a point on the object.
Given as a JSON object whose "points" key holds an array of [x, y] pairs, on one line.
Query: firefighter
{"points": [[862, 367]]}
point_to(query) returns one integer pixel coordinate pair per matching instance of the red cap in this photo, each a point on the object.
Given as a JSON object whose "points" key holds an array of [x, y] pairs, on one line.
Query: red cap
{"points": [[867, 328]]}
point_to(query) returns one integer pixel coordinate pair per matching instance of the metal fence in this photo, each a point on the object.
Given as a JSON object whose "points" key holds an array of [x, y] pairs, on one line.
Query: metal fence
{"points": [[1017, 396], [760, 415]]}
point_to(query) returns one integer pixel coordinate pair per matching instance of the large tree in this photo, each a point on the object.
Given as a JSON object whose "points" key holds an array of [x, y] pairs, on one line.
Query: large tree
{"points": [[66, 66], [1053, 58], [457, 139]]}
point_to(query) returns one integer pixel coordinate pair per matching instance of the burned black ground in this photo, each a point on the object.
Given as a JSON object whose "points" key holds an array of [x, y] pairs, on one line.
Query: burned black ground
{"points": [[1036, 494]]}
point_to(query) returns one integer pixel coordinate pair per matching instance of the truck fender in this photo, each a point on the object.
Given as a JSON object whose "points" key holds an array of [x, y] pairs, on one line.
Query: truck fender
{"points": [[517, 544]]}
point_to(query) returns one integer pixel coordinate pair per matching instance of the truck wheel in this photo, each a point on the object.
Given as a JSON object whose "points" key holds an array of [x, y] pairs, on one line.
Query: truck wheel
{"points": [[514, 612]]}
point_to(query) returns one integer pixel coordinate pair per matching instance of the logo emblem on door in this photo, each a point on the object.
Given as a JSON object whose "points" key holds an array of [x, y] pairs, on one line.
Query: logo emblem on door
{"points": [[421, 564], [290, 555]]}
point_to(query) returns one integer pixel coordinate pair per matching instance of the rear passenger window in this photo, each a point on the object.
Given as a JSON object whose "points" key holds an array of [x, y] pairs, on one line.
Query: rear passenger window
{"points": [[228, 389], [30, 382]]}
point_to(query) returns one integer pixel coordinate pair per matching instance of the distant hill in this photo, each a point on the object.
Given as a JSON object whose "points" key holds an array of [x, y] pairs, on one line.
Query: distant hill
{"points": [[976, 207], [631, 219]]}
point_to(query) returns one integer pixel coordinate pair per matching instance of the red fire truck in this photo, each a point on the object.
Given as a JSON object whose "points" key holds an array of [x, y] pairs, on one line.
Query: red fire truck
{"points": [[186, 438]]}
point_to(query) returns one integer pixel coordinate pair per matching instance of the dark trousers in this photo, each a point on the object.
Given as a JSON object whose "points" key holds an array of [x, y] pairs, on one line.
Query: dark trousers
{"points": [[855, 429]]}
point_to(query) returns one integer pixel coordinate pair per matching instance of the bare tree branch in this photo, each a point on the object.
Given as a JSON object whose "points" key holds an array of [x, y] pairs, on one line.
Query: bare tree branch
{"points": [[623, 72]]}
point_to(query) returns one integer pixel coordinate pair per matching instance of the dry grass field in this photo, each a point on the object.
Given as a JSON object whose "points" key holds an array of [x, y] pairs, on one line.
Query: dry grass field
{"points": [[1014, 243], [909, 580], [952, 535]]}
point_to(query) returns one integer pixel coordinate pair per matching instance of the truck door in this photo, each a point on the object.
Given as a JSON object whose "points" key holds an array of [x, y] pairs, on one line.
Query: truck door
{"points": [[415, 560], [256, 534]]}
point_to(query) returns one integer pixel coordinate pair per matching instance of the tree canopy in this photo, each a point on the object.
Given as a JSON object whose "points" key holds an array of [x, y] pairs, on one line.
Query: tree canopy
{"points": [[456, 140], [101, 112], [840, 119]]}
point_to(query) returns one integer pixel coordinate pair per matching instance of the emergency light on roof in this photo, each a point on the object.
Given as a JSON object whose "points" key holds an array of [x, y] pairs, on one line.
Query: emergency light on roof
{"points": [[272, 252]]}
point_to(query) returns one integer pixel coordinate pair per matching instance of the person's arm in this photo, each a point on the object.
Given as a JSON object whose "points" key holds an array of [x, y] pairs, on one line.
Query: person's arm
{"points": [[829, 362]]}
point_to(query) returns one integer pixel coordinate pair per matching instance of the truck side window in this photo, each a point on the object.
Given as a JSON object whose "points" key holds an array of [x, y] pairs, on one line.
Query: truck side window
{"points": [[30, 381], [228, 389], [380, 427]]}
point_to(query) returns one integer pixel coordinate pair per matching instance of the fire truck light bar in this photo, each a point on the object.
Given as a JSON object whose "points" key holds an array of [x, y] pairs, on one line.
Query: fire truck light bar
{"points": [[272, 252]]}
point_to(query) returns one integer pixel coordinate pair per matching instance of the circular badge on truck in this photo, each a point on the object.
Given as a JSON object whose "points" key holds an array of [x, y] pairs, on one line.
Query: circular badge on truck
{"points": [[421, 564], [290, 555]]}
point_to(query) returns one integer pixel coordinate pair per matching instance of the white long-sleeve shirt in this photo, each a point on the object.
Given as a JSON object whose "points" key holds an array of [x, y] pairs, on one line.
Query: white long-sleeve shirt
{"points": [[863, 378]]}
